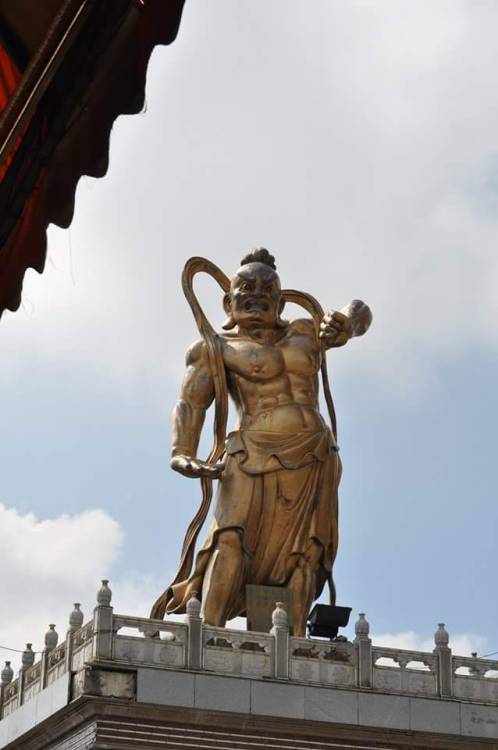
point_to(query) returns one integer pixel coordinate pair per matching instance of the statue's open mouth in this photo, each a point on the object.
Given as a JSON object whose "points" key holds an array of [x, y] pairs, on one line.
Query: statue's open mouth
{"points": [[254, 304]]}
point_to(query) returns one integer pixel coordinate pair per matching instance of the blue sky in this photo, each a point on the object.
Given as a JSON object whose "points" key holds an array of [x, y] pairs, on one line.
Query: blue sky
{"points": [[359, 144]]}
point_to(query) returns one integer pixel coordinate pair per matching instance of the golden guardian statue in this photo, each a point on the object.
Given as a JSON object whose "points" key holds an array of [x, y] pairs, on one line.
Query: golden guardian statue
{"points": [[275, 515]]}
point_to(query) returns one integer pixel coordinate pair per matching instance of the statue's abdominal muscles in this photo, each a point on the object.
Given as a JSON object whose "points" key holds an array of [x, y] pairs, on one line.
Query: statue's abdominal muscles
{"points": [[275, 387]]}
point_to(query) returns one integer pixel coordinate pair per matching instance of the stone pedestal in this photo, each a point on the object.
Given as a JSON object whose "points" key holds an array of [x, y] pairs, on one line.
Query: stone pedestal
{"points": [[261, 601]]}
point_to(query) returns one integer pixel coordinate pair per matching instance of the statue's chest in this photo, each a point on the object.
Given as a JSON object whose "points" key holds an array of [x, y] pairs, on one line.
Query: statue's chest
{"points": [[257, 362]]}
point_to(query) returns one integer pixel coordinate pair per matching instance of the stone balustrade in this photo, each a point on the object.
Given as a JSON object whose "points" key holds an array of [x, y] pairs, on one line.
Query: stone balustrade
{"points": [[113, 639], [150, 642], [237, 652]]}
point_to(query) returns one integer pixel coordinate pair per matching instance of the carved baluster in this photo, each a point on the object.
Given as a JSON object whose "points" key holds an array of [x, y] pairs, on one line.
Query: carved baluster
{"points": [[5, 680], [27, 660], [76, 619], [280, 632], [194, 641], [28, 657], [477, 669], [51, 639], [102, 623], [444, 662], [363, 644], [402, 660]]}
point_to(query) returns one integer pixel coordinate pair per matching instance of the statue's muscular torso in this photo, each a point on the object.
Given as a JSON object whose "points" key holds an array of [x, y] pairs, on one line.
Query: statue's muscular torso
{"points": [[275, 385]]}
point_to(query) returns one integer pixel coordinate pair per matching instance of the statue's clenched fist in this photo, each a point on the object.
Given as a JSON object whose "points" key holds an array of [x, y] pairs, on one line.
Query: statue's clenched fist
{"points": [[336, 329], [195, 468]]}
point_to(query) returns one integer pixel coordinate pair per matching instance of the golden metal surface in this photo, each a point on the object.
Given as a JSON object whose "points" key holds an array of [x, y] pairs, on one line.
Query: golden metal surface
{"points": [[278, 472]]}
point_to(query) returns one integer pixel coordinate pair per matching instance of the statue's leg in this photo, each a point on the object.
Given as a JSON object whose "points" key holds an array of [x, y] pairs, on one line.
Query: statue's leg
{"points": [[224, 578], [303, 586]]}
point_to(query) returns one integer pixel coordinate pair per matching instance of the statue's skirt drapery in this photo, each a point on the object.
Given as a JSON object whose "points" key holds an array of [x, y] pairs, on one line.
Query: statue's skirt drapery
{"points": [[279, 491]]}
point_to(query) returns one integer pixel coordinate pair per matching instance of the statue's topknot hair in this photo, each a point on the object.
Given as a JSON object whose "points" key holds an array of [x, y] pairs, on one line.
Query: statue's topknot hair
{"points": [[259, 255]]}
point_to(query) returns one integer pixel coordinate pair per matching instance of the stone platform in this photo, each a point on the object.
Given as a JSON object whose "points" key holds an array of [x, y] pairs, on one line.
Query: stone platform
{"points": [[126, 682]]}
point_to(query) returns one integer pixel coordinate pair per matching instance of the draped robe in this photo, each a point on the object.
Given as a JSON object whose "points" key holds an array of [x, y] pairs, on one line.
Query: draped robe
{"points": [[279, 491]]}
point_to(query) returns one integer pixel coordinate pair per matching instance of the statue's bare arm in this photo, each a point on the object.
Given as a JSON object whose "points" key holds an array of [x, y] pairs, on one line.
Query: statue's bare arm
{"points": [[197, 394], [337, 327]]}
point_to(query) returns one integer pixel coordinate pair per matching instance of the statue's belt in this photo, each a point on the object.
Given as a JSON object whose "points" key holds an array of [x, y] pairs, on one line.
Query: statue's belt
{"points": [[260, 452]]}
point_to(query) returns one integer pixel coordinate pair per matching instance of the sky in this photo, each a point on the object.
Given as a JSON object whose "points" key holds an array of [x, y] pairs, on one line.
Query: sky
{"points": [[359, 143]]}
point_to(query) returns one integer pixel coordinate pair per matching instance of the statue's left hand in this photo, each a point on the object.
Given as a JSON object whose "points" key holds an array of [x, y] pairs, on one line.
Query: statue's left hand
{"points": [[195, 468], [336, 329]]}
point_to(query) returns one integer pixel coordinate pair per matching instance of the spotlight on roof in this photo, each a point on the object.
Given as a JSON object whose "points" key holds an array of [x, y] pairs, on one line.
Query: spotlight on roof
{"points": [[325, 620]]}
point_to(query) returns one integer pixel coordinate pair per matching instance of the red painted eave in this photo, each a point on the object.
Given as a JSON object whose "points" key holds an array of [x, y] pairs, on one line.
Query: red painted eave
{"points": [[101, 76]]}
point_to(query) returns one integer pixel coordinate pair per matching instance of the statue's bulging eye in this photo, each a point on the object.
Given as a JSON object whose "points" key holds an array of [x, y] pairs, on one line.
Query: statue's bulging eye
{"points": [[246, 287]]}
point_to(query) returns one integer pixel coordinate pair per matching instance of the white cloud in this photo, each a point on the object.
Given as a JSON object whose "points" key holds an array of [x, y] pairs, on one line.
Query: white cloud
{"points": [[134, 594], [49, 564], [46, 566], [358, 143], [462, 644]]}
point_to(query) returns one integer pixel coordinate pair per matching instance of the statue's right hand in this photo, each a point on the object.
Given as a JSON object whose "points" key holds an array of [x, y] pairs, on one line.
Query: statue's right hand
{"points": [[195, 468]]}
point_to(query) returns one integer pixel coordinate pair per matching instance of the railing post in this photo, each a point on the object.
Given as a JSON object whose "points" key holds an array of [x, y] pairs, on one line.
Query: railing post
{"points": [[444, 662], [75, 622], [280, 633], [51, 640], [44, 670], [102, 624], [5, 680], [194, 639], [363, 643], [27, 660], [478, 668]]}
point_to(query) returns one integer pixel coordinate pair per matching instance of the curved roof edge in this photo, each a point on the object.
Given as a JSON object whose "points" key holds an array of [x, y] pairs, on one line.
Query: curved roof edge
{"points": [[102, 76]]}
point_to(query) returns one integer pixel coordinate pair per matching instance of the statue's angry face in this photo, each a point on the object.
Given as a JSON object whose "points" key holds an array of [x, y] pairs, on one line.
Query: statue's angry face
{"points": [[255, 299]]}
